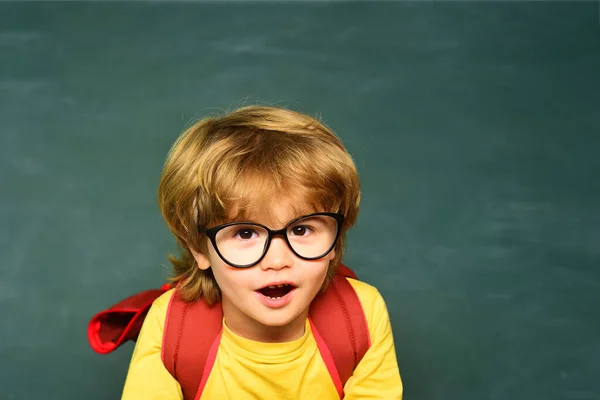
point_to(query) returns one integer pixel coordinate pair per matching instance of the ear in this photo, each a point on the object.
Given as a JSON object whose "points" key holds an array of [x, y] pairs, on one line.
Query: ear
{"points": [[202, 261]]}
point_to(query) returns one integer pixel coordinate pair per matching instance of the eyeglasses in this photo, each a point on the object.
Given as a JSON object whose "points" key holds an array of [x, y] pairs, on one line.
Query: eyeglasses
{"points": [[244, 244]]}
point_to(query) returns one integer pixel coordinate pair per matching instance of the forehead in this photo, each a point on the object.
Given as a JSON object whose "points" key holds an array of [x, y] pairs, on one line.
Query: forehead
{"points": [[271, 200], [275, 213]]}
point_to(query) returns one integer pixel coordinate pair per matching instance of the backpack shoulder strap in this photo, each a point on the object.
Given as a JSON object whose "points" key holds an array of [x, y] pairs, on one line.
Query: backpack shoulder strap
{"points": [[197, 328], [336, 317], [340, 328]]}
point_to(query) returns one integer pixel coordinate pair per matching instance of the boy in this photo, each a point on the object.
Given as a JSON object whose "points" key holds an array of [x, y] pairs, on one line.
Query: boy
{"points": [[260, 201]]}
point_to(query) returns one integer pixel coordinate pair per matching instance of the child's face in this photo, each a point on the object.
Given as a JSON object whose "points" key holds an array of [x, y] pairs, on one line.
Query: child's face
{"points": [[247, 310]]}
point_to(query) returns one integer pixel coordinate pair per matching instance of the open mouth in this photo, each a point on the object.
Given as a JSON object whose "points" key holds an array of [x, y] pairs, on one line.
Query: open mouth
{"points": [[276, 291]]}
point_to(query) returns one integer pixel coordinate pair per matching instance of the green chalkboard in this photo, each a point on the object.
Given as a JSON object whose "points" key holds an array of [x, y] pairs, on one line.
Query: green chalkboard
{"points": [[475, 127]]}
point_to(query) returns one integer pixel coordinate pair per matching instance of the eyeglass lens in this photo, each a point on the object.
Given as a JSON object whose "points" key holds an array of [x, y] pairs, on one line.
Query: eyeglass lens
{"points": [[310, 237]]}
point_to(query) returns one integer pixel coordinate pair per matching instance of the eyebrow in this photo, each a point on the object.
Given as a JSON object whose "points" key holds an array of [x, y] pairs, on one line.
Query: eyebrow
{"points": [[250, 220]]}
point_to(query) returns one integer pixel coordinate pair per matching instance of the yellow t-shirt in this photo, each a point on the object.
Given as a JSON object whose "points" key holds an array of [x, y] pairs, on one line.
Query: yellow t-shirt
{"points": [[245, 369]]}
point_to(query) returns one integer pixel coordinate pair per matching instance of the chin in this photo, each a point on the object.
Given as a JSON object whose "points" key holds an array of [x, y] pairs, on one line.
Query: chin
{"points": [[277, 321], [278, 318]]}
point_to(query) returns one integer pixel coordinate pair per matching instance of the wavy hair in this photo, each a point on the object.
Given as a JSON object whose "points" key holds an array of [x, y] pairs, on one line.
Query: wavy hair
{"points": [[224, 168]]}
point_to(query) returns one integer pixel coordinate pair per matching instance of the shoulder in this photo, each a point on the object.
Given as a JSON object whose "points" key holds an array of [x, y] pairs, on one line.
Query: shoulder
{"points": [[158, 311], [368, 294], [373, 305], [164, 299]]}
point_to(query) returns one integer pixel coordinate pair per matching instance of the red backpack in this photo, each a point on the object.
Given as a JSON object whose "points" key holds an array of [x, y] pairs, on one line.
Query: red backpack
{"points": [[193, 331]]}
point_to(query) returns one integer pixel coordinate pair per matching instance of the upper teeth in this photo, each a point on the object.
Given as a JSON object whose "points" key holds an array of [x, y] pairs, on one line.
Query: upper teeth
{"points": [[276, 286]]}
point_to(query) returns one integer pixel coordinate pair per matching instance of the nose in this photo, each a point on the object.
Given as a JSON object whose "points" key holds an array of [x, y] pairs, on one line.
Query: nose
{"points": [[278, 256]]}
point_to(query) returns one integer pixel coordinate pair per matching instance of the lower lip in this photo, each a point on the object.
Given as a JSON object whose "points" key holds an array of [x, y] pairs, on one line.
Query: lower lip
{"points": [[276, 302]]}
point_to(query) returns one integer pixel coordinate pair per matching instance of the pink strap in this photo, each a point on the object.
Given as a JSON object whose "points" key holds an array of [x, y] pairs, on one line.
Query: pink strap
{"points": [[193, 332], [327, 359], [340, 322], [190, 343], [210, 362]]}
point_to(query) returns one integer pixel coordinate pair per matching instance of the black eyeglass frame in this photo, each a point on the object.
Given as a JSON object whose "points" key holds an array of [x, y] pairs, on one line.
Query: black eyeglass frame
{"points": [[211, 233]]}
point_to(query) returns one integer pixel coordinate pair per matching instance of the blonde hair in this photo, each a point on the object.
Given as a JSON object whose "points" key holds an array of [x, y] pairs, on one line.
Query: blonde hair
{"points": [[235, 163]]}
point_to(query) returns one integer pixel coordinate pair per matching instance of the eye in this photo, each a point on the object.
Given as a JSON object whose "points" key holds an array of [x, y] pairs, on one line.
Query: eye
{"points": [[245, 233], [300, 230]]}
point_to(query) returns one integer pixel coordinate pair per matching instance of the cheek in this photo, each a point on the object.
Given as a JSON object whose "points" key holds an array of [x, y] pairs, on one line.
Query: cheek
{"points": [[223, 273], [319, 272], [230, 280]]}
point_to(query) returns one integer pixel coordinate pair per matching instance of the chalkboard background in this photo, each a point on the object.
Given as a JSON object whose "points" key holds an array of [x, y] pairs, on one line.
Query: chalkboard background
{"points": [[475, 128]]}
